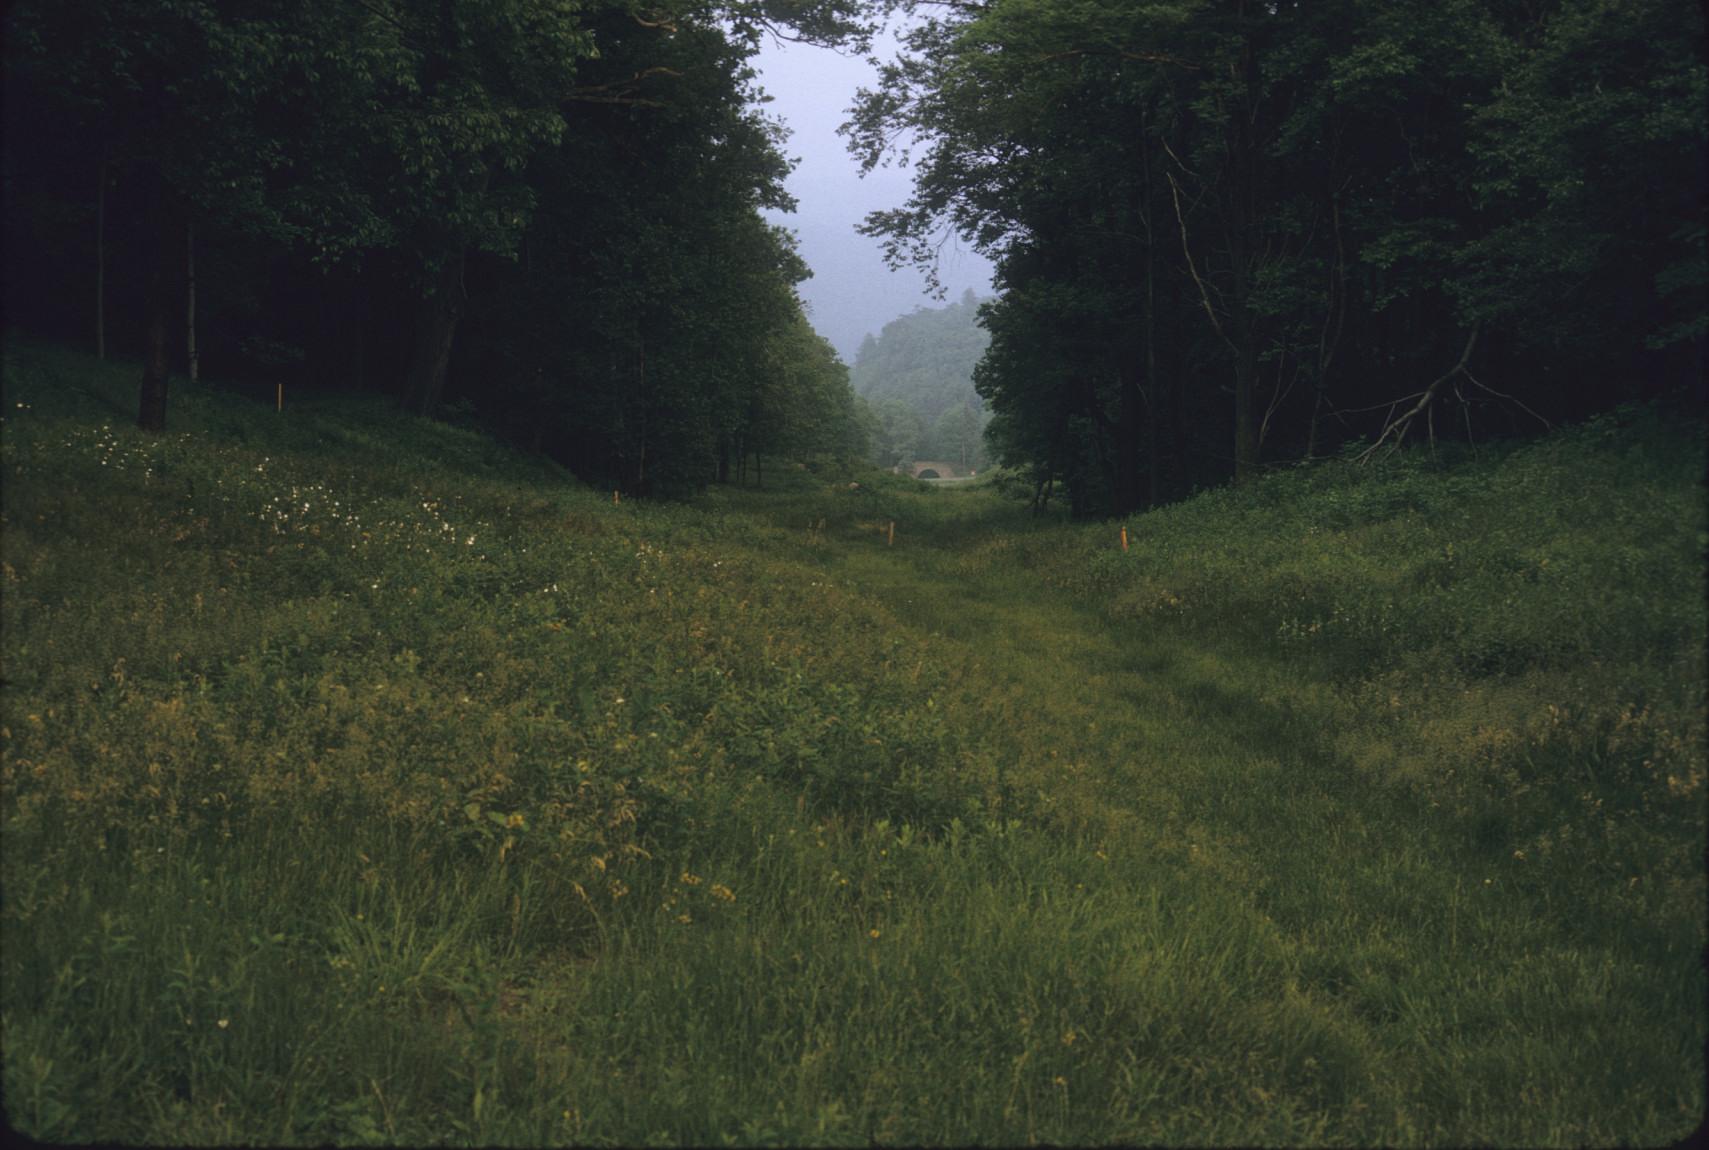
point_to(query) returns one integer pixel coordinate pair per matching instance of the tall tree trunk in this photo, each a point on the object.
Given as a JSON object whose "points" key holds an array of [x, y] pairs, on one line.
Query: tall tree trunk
{"points": [[1153, 410], [101, 261], [641, 381], [1334, 320], [436, 330], [359, 309], [1243, 160], [1104, 445], [1242, 323], [1245, 425], [151, 401], [192, 358], [1129, 423]]}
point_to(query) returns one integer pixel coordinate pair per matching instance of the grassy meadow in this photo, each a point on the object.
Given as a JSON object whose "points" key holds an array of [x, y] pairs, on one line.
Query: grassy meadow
{"points": [[363, 782]]}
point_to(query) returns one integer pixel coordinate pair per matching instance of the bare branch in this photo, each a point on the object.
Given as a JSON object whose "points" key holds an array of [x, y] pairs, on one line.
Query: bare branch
{"points": [[1186, 249], [612, 93], [1123, 54], [1398, 427], [1281, 393], [1164, 140], [1510, 399], [1391, 404]]}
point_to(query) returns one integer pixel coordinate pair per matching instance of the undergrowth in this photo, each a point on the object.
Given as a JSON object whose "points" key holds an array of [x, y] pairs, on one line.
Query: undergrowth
{"points": [[363, 782]]}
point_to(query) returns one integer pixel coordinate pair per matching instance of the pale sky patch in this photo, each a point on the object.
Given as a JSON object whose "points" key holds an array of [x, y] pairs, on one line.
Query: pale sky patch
{"points": [[851, 293]]}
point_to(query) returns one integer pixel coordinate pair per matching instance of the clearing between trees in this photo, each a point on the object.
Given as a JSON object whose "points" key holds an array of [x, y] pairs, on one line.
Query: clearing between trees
{"points": [[366, 781]]}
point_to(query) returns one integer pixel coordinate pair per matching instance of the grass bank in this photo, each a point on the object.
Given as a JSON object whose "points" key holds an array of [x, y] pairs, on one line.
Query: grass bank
{"points": [[364, 782]]}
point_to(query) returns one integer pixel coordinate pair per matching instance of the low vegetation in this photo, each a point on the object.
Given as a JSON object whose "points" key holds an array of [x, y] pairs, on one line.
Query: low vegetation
{"points": [[364, 782]]}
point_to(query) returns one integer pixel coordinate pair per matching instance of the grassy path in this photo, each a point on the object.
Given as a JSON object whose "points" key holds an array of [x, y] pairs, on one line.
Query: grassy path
{"points": [[1365, 976], [362, 782]]}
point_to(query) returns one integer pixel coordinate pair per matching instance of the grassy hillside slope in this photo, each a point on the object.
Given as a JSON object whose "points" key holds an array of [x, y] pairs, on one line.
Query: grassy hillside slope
{"points": [[363, 782]]}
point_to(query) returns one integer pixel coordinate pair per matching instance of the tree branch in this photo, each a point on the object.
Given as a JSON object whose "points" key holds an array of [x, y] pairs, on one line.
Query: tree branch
{"points": [[1398, 427], [612, 93], [1186, 249], [1124, 54], [1503, 395], [658, 70]]}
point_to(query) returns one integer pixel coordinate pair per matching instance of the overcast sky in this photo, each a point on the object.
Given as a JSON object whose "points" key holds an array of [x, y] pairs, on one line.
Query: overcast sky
{"points": [[851, 292]]}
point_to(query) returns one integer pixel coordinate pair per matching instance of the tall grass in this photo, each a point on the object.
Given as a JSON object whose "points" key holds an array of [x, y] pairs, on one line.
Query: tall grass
{"points": [[362, 782]]}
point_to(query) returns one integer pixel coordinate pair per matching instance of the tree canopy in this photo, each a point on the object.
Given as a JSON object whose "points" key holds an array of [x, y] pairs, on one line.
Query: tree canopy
{"points": [[541, 212], [1237, 233]]}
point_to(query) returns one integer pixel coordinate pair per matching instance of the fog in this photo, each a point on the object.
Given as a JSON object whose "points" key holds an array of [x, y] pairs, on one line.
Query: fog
{"points": [[851, 292]]}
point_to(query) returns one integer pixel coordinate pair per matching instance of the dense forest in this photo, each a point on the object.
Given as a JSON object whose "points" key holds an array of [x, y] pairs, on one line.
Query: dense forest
{"points": [[537, 214], [1235, 234], [916, 382], [1227, 236]]}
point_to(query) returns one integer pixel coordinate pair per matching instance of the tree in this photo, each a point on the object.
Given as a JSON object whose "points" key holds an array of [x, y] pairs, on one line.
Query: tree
{"points": [[897, 433], [1269, 216], [924, 359]]}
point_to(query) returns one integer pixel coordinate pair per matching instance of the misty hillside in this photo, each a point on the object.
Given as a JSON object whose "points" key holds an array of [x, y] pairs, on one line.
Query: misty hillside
{"points": [[925, 359], [917, 381]]}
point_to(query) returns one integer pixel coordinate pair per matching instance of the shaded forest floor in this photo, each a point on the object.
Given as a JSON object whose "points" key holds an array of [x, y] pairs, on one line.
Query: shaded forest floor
{"points": [[364, 782]]}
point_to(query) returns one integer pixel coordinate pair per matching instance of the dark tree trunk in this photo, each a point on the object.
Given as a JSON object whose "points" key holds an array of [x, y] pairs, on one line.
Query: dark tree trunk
{"points": [[1244, 334], [151, 404], [1177, 401], [101, 263], [641, 387], [1243, 160], [1153, 409], [1329, 338], [1245, 425], [436, 330], [1103, 437], [1128, 430], [359, 311], [192, 359]]}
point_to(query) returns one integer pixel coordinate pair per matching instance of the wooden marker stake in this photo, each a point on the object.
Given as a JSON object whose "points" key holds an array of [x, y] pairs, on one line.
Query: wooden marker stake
{"points": [[1124, 537]]}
